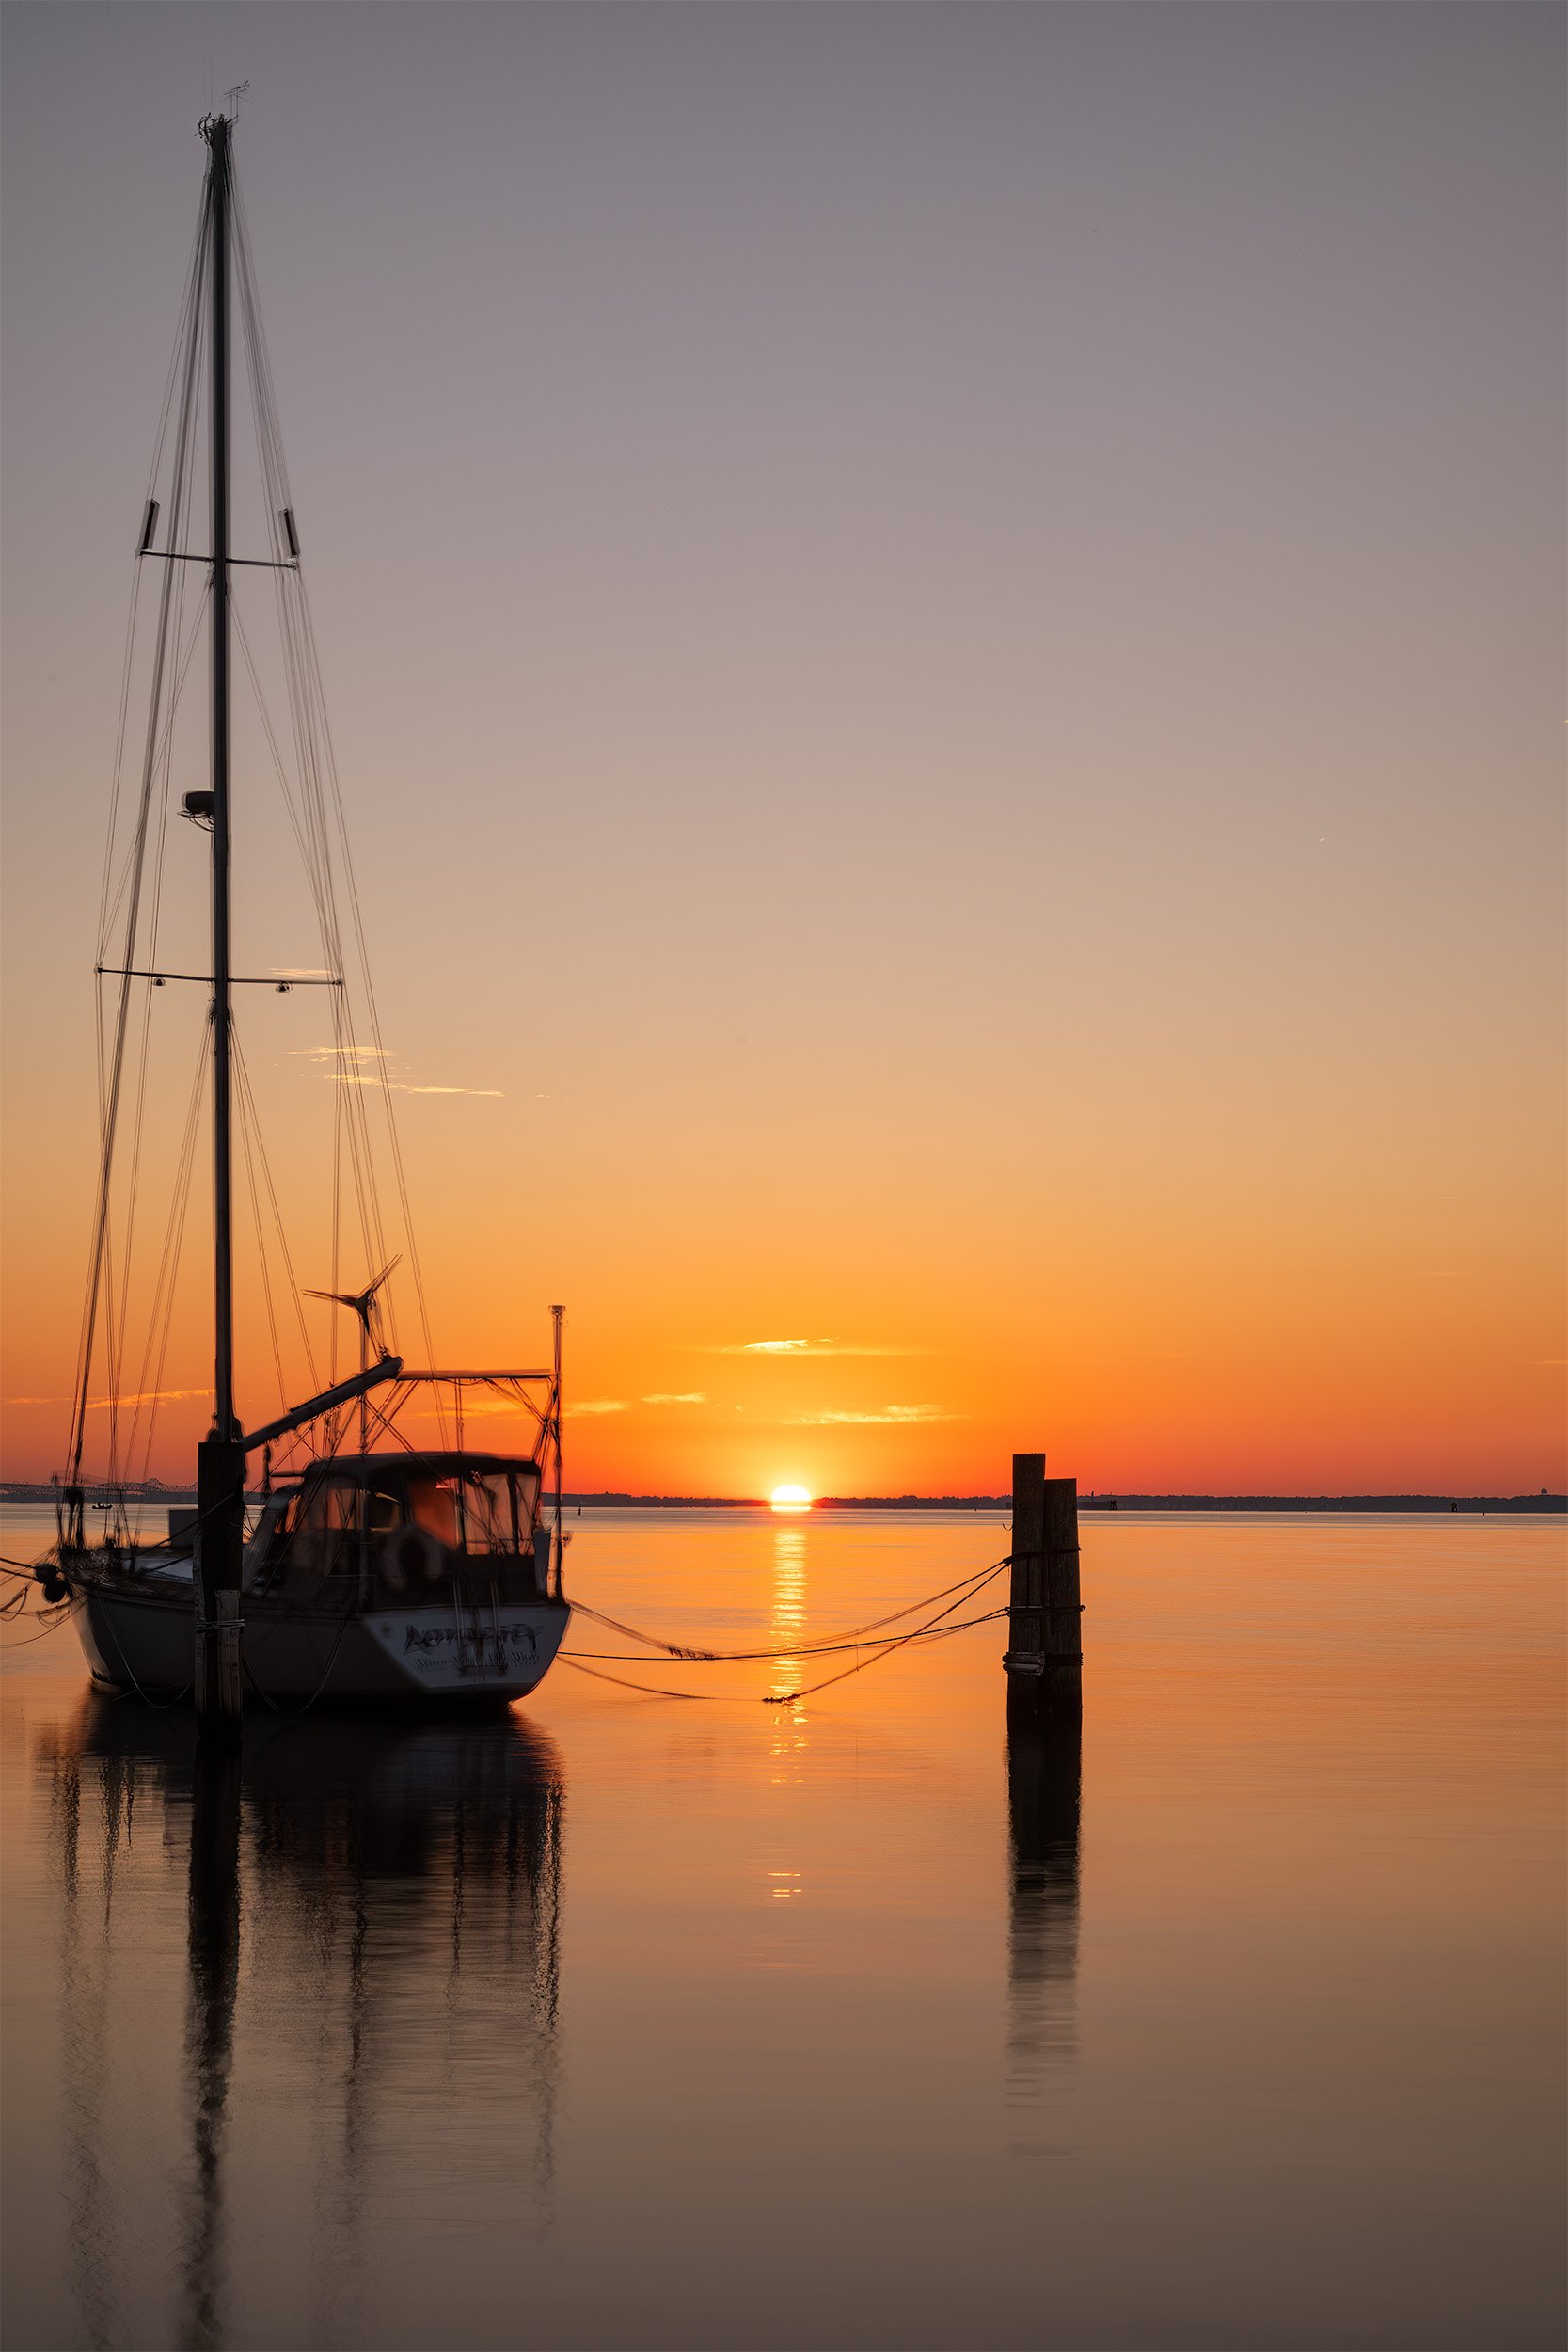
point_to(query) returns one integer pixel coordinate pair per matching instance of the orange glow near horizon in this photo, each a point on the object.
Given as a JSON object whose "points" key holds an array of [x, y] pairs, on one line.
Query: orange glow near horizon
{"points": [[1140, 1360], [790, 1498], [1374, 1363]]}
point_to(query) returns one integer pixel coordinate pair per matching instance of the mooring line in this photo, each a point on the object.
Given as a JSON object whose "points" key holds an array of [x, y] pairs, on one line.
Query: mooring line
{"points": [[849, 1639], [646, 1690], [785, 1698], [772, 1657], [52, 1626], [933, 1630], [898, 1642]]}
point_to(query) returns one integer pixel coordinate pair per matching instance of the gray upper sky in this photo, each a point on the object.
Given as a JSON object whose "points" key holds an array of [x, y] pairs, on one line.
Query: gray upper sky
{"points": [[900, 543]]}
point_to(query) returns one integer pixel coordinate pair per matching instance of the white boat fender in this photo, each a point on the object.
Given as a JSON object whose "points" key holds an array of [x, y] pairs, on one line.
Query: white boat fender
{"points": [[410, 1551]]}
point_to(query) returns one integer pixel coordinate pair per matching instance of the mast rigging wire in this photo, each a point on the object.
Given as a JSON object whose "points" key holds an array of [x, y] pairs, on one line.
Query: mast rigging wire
{"points": [[131, 892], [161, 1315], [310, 714], [100, 1276]]}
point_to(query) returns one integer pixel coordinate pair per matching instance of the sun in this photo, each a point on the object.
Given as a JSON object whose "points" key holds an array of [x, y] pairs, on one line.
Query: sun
{"points": [[790, 1498]]}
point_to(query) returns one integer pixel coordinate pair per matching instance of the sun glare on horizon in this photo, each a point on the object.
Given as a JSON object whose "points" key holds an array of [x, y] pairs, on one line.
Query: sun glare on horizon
{"points": [[790, 1498]]}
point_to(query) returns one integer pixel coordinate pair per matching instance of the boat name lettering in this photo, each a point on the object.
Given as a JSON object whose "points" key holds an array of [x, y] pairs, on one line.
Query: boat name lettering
{"points": [[434, 1637]]}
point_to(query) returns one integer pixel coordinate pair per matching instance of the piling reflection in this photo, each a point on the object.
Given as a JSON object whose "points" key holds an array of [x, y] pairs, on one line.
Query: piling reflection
{"points": [[1045, 1781], [403, 1882]]}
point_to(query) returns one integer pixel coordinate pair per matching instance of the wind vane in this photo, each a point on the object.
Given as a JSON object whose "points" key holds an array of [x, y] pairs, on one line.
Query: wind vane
{"points": [[362, 1302]]}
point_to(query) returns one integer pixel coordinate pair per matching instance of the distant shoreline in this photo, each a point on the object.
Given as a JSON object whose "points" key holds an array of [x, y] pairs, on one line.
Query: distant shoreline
{"points": [[33, 1491]]}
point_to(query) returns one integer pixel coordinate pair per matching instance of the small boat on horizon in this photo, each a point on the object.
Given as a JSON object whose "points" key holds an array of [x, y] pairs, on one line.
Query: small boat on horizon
{"points": [[374, 1566]]}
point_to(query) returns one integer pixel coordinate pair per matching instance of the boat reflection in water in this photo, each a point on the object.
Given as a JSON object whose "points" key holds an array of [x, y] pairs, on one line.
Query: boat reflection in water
{"points": [[1045, 1781], [372, 1912]]}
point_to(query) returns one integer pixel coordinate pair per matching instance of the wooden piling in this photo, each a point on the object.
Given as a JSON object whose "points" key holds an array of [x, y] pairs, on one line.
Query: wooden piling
{"points": [[1064, 1608], [1025, 1594], [215, 1580], [1044, 1661]]}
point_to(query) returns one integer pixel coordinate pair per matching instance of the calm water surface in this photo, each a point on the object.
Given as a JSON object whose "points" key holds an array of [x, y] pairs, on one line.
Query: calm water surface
{"points": [[634, 2022]]}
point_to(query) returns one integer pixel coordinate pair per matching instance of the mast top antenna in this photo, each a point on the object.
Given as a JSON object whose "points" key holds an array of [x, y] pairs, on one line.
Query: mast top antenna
{"points": [[230, 111]]}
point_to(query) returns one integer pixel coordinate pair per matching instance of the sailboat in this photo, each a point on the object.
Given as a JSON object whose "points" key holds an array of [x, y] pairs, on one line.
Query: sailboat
{"points": [[372, 1565]]}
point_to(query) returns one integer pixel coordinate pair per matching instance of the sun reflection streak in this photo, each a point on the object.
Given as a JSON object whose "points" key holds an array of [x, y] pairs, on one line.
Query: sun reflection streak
{"points": [[787, 1733], [788, 1628], [787, 1625]]}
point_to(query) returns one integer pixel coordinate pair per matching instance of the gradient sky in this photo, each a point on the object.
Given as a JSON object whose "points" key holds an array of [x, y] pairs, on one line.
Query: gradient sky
{"points": [[943, 630]]}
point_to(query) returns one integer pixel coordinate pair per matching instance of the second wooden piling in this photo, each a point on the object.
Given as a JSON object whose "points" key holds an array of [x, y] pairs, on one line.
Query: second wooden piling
{"points": [[1044, 1661]]}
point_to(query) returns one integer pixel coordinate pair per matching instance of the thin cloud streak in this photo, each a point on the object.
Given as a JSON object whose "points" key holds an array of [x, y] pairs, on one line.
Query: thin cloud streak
{"points": [[399, 1085], [805, 1347], [333, 1058], [897, 1416], [102, 1404], [660, 1396]]}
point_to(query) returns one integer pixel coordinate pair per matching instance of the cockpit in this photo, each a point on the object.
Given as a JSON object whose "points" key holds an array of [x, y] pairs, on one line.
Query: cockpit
{"points": [[402, 1524]]}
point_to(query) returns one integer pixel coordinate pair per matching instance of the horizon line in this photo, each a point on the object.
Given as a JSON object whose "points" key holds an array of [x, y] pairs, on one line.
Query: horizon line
{"points": [[25, 1490]]}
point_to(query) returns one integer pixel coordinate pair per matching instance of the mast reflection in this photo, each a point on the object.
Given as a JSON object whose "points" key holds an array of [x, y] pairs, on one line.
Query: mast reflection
{"points": [[1045, 1781], [398, 1889], [213, 1959]]}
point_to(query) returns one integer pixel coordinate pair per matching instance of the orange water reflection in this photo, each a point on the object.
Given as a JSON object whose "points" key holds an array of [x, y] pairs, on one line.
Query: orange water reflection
{"points": [[1237, 2029]]}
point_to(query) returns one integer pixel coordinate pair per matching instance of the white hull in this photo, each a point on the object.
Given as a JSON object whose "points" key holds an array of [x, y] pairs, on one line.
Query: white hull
{"points": [[139, 1634]]}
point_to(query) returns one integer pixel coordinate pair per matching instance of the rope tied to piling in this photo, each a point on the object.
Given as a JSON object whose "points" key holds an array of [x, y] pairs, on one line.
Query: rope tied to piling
{"points": [[934, 1628], [843, 1640]]}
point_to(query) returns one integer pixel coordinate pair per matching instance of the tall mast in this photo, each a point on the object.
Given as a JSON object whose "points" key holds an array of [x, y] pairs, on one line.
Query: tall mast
{"points": [[556, 1316], [220, 1459], [217, 130]]}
